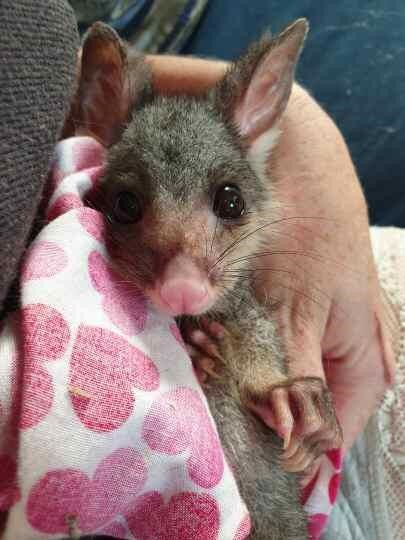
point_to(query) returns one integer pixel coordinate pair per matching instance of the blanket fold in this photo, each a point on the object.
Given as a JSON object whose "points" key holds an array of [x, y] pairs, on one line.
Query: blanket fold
{"points": [[103, 425]]}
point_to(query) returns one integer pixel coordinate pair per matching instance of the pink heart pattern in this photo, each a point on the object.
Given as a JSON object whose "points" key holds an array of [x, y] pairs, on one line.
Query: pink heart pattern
{"points": [[178, 421], [43, 260], [93, 223], [64, 203], [46, 336], [103, 371], [123, 303], [106, 431], [186, 516], [243, 529], [92, 503]]}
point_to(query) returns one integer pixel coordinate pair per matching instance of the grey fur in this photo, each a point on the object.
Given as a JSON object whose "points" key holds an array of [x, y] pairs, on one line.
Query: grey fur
{"points": [[174, 151], [251, 448], [173, 154]]}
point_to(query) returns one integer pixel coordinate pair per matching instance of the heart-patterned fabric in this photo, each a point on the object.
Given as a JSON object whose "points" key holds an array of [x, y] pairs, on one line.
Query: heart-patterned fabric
{"points": [[103, 426]]}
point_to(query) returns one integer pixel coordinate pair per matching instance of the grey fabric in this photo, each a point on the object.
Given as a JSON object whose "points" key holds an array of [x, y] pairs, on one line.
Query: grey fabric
{"points": [[38, 51], [352, 517]]}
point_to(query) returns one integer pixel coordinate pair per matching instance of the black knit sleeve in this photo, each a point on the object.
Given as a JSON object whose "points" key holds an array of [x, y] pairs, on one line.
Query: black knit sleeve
{"points": [[38, 51]]}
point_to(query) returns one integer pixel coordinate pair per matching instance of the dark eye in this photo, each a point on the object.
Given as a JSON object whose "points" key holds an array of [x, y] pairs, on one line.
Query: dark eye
{"points": [[127, 208], [229, 203]]}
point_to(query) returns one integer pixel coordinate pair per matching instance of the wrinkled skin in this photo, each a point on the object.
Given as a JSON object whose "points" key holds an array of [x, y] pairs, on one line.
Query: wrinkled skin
{"points": [[333, 320], [332, 316]]}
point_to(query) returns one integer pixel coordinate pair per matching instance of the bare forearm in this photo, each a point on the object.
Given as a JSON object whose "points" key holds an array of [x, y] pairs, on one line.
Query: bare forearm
{"points": [[320, 156], [184, 75], [305, 124]]}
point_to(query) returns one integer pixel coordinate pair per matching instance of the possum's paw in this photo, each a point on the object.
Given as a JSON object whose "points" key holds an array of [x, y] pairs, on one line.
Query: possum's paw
{"points": [[301, 411], [201, 341]]}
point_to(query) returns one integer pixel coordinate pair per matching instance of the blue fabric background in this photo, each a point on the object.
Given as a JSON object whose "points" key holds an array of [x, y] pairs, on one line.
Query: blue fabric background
{"points": [[353, 64]]}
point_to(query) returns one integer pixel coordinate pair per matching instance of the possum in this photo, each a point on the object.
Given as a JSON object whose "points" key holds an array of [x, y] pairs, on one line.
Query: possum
{"points": [[186, 203]]}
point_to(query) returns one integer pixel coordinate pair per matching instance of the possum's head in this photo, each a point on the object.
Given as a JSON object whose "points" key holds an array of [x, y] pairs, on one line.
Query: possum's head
{"points": [[184, 190]]}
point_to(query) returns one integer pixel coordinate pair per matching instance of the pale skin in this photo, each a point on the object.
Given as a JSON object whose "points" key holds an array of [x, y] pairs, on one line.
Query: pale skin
{"points": [[331, 313]]}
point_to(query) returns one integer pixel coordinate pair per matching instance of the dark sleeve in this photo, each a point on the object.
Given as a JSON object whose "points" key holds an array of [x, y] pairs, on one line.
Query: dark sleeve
{"points": [[38, 51]]}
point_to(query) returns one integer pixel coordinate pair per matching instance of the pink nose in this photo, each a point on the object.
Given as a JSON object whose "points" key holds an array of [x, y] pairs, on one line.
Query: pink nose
{"points": [[184, 287], [184, 296]]}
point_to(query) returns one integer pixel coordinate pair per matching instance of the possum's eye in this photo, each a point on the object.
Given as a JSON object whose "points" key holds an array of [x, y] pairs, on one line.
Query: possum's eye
{"points": [[229, 203], [127, 208]]}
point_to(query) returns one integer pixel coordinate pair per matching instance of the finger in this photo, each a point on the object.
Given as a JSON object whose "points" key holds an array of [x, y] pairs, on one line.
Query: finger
{"points": [[300, 465], [265, 413], [312, 400], [326, 439], [307, 453], [309, 473], [284, 420], [276, 414], [213, 328], [201, 375], [299, 460], [295, 444], [202, 341], [198, 363], [193, 353], [207, 364], [199, 372], [309, 418]]}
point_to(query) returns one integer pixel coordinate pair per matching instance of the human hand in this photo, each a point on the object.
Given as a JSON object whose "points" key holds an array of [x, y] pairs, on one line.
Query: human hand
{"points": [[319, 274]]}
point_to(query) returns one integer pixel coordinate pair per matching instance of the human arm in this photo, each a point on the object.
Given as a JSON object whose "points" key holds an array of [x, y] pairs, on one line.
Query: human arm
{"points": [[331, 314]]}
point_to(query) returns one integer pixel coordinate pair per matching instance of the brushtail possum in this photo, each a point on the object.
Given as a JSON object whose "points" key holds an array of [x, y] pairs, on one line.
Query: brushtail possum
{"points": [[186, 201]]}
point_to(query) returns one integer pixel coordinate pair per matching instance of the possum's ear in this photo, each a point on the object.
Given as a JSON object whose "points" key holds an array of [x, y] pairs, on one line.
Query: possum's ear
{"points": [[255, 91], [110, 83]]}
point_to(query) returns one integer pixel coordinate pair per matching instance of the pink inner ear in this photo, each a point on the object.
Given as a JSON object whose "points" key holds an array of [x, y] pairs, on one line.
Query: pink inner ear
{"points": [[267, 95], [265, 98], [102, 101], [105, 102]]}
